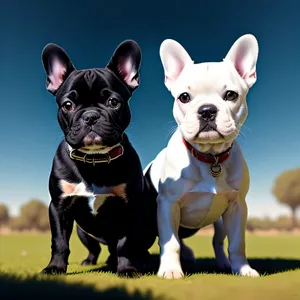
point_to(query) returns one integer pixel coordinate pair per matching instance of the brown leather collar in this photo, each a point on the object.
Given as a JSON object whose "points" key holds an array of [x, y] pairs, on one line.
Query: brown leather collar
{"points": [[208, 158], [97, 157], [216, 168]]}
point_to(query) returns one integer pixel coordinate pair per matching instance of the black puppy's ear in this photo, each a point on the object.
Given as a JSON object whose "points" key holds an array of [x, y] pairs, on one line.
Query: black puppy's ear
{"points": [[57, 65], [125, 63]]}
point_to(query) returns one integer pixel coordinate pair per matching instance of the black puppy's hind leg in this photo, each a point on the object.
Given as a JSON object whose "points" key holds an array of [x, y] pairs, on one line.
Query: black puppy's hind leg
{"points": [[92, 245]]}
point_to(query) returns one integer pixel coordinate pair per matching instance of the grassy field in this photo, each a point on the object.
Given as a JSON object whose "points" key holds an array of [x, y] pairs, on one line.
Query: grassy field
{"points": [[23, 256]]}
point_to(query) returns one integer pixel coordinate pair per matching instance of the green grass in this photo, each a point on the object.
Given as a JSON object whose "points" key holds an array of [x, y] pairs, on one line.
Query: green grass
{"points": [[23, 256]]}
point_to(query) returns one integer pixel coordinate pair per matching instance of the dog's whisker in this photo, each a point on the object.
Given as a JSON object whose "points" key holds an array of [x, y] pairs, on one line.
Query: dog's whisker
{"points": [[171, 131], [240, 133], [244, 126]]}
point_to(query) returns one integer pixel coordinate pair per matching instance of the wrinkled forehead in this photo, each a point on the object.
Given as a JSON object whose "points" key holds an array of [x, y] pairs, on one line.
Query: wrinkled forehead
{"points": [[92, 82], [208, 77]]}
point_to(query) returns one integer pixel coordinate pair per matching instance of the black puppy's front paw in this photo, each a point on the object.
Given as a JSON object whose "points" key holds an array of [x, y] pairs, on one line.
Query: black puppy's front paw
{"points": [[54, 270], [145, 262], [112, 261], [128, 271]]}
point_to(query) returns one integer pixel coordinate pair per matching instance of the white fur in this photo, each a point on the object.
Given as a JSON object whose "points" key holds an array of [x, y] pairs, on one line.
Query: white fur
{"points": [[98, 195], [188, 195]]}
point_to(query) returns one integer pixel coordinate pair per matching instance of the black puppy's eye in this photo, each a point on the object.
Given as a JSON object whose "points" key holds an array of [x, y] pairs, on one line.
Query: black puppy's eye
{"points": [[230, 96], [184, 98], [68, 106], [113, 103]]}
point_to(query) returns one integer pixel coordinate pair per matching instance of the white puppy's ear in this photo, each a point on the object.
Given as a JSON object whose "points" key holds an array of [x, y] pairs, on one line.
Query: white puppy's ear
{"points": [[243, 55], [174, 58]]}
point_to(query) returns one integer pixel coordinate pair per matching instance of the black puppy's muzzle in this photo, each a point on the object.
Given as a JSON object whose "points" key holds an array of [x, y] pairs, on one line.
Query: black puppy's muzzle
{"points": [[90, 117], [95, 127]]}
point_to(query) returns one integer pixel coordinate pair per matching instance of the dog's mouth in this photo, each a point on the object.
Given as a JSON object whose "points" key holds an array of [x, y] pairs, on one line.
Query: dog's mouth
{"points": [[92, 143], [207, 128], [92, 139], [209, 132]]}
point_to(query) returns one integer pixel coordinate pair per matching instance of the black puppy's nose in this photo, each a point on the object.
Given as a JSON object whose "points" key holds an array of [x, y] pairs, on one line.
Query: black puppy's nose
{"points": [[90, 117], [207, 112]]}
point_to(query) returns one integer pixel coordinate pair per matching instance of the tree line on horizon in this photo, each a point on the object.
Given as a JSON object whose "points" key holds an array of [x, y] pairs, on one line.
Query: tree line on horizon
{"points": [[34, 214]]}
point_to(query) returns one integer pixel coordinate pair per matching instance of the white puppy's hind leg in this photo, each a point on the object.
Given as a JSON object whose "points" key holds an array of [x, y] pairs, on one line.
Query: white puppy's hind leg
{"points": [[235, 218], [218, 244], [186, 253]]}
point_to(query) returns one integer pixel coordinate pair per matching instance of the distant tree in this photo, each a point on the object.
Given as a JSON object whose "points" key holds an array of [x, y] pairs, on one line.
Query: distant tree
{"points": [[34, 215], [254, 223], [43, 223], [18, 223], [287, 191], [4, 215], [283, 223]]}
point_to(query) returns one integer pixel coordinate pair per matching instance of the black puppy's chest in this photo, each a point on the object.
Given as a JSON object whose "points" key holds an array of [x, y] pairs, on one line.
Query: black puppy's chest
{"points": [[100, 194], [95, 193], [106, 193], [100, 210]]}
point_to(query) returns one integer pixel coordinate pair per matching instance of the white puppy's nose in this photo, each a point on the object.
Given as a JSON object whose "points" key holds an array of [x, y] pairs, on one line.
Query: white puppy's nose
{"points": [[207, 112]]}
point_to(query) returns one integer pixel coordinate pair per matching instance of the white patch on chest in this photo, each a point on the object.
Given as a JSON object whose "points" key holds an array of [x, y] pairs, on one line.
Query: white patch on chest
{"points": [[96, 197], [204, 202], [178, 176]]}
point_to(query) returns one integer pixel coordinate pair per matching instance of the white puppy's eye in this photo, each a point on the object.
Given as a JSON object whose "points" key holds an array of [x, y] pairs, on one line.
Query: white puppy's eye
{"points": [[184, 98], [230, 96]]}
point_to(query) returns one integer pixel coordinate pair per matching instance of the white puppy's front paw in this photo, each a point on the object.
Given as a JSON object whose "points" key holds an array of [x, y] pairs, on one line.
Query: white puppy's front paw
{"points": [[170, 273], [245, 270]]}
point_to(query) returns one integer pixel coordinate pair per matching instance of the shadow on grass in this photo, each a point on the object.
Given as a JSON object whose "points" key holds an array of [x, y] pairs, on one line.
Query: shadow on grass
{"points": [[265, 266], [14, 288]]}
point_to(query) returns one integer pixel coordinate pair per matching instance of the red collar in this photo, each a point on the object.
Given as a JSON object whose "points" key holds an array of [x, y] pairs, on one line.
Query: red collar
{"points": [[98, 157], [208, 158]]}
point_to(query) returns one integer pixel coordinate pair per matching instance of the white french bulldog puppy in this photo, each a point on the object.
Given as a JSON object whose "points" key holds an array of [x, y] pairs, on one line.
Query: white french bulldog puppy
{"points": [[201, 176]]}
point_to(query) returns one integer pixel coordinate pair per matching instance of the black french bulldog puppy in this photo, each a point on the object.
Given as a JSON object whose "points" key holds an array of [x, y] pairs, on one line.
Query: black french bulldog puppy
{"points": [[96, 178]]}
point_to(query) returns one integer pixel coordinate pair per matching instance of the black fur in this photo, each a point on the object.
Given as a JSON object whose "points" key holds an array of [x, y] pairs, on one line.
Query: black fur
{"points": [[127, 226]]}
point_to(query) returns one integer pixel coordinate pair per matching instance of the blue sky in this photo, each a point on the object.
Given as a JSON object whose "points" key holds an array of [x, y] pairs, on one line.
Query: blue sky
{"points": [[90, 32]]}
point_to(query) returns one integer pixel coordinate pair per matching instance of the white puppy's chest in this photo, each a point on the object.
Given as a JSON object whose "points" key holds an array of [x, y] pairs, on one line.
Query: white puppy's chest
{"points": [[207, 197], [202, 198], [205, 202]]}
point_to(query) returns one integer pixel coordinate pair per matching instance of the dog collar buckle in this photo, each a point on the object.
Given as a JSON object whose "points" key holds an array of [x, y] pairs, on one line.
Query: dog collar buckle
{"points": [[194, 153], [215, 168]]}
